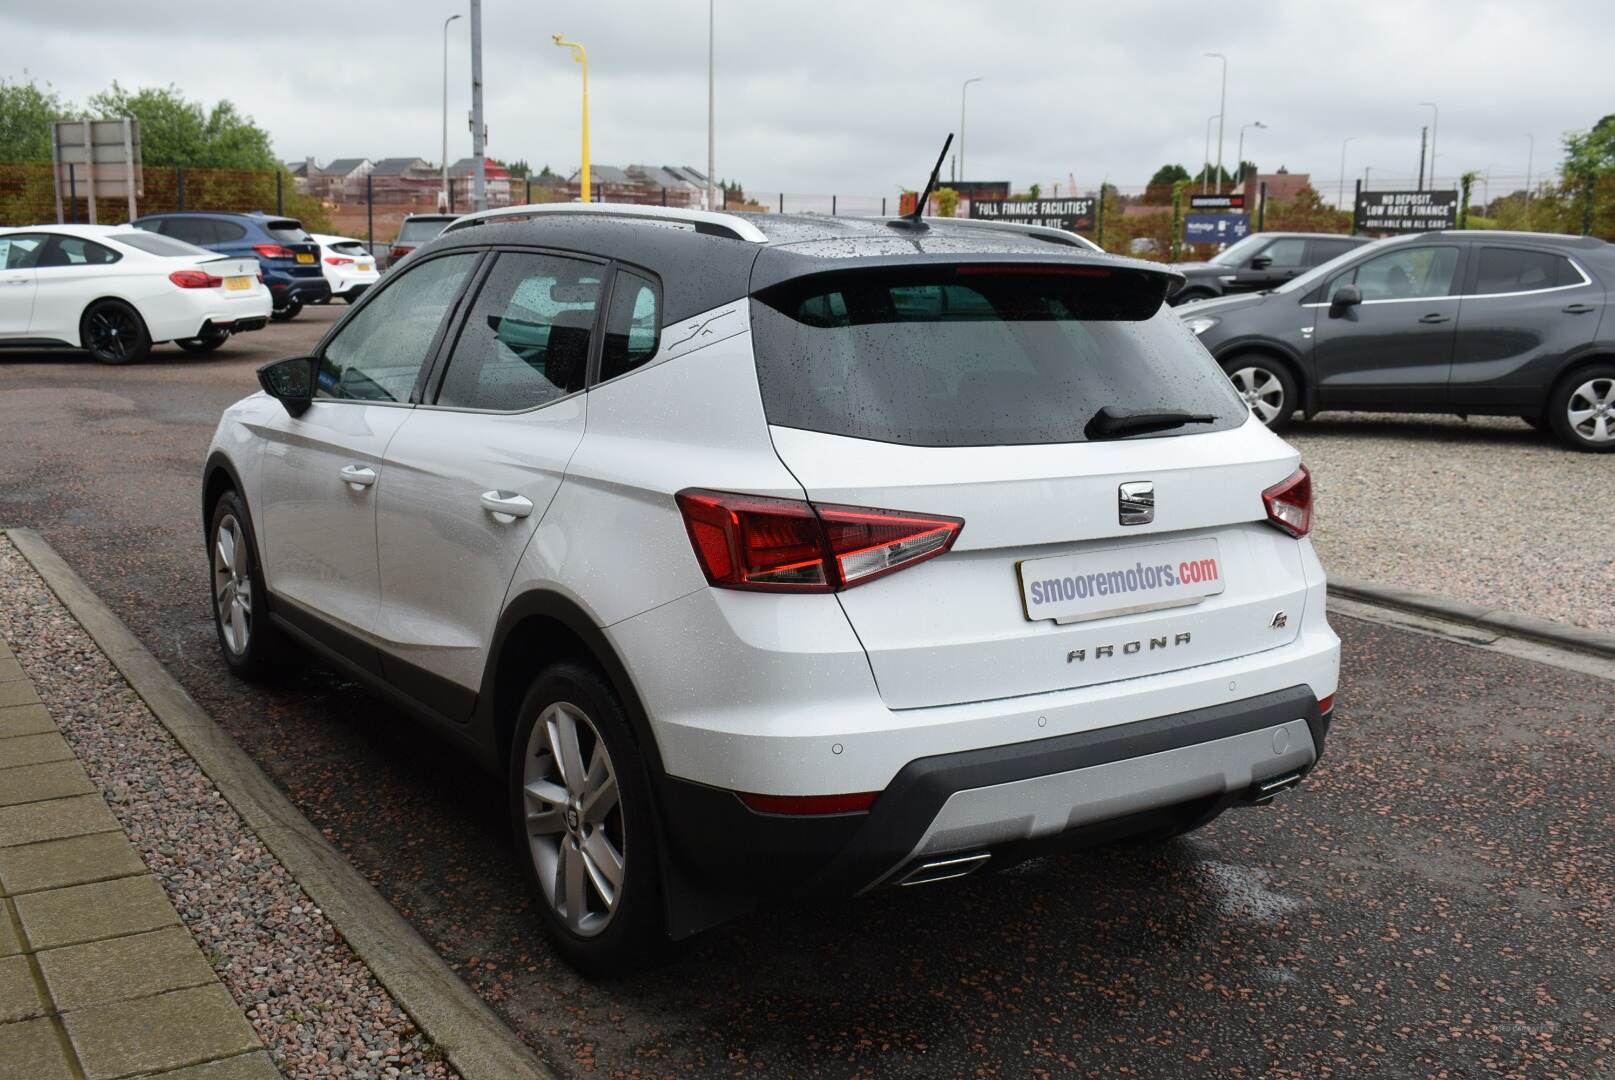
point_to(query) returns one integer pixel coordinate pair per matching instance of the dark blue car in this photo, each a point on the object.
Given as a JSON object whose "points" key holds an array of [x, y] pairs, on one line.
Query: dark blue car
{"points": [[287, 256]]}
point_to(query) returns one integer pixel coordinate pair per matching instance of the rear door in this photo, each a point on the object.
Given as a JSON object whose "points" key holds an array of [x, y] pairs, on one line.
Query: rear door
{"points": [[971, 395]]}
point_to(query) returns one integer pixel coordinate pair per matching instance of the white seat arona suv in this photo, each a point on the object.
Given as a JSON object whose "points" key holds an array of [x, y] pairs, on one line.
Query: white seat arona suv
{"points": [[776, 556]]}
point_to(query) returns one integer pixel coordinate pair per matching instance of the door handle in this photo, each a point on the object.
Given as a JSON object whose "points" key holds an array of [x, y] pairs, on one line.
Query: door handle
{"points": [[1577, 309], [358, 476], [507, 503], [1434, 317]]}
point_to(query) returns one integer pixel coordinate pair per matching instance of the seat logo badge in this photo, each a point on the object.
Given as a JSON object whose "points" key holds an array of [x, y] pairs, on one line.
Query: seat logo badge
{"points": [[1280, 621], [1136, 503]]}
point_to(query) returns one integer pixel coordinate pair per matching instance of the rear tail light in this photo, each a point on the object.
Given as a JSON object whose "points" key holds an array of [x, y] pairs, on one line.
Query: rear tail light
{"points": [[337, 260], [274, 251], [397, 252], [195, 279], [1289, 503], [810, 804], [789, 545]]}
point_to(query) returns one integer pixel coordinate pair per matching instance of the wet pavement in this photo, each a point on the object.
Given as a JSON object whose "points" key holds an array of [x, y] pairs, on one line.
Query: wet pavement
{"points": [[1437, 898]]}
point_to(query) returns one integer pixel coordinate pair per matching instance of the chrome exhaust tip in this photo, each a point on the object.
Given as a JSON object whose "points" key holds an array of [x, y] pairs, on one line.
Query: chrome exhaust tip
{"points": [[1262, 791], [945, 869]]}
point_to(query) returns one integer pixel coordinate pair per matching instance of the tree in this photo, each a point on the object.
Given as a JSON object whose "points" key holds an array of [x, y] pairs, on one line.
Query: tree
{"points": [[26, 112], [1035, 191], [518, 168], [174, 131], [1167, 175]]}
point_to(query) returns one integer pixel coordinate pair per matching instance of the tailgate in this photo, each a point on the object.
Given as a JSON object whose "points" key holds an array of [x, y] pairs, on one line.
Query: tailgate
{"points": [[231, 267], [958, 628]]}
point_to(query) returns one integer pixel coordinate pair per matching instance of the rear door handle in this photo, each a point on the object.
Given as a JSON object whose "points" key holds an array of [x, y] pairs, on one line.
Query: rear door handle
{"points": [[1434, 317], [358, 476], [1577, 309], [508, 503]]}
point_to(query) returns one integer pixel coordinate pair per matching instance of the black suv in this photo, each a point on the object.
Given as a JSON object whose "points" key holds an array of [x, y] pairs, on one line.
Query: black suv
{"points": [[1260, 261], [1482, 323], [287, 255]]}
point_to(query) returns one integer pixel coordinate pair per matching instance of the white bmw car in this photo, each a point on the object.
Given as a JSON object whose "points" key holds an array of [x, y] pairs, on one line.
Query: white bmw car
{"points": [[348, 265], [116, 291]]}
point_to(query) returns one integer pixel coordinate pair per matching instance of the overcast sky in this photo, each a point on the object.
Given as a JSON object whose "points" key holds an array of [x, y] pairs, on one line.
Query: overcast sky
{"points": [[855, 97]]}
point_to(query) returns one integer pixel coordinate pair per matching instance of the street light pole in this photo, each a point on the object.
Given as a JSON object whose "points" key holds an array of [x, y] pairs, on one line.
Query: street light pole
{"points": [[1340, 199], [1205, 159], [581, 55], [1222, 110], [1435, 121], [446, 22], [1239, 157], [962, 89], [712, 152], [479, 130], [1530, 152]]}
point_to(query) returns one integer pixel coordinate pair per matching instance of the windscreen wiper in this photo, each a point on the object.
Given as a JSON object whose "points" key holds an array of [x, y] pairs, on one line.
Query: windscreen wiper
{"points": [[1113, 423]]}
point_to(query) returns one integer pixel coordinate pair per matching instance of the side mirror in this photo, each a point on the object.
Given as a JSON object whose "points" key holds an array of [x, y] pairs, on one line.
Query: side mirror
{"points": [[290, 382], [1347, 296], [1261, 262]]}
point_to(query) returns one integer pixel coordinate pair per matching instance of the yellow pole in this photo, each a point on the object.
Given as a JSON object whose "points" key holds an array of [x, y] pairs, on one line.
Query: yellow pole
{"points": [[581, 55]]}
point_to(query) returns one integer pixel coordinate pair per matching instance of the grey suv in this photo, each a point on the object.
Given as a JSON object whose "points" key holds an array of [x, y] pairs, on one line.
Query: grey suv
{"points": [[1472, 323], [1261, 260]]}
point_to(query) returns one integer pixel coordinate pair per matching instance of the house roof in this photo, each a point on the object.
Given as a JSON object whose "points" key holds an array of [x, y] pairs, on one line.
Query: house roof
{"points": [[299, 168], [345, 166], [466, 166], [397, 166], [656, 176], [694, 176], [603, 174]]}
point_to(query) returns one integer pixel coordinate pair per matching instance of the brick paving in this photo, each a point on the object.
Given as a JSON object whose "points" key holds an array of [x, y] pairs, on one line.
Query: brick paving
{"points": [[98, 979]]}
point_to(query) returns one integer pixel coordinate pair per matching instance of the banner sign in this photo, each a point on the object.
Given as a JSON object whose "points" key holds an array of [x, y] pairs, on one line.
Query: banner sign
{"points": [[1406, 211], [1215, 228], [1234, 200], [1072, 214]]}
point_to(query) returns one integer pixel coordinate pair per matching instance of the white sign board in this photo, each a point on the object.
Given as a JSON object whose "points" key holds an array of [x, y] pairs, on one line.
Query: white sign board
{"points": [[96, 159]]}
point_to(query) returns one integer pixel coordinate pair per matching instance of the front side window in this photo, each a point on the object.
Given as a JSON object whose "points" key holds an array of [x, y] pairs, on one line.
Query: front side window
{"points": [[632, 325], [21, 251], [77, 251], [1286, 252], [526, 336], [979, 355], [378, 354], [1408, 273], [1512, 270]]}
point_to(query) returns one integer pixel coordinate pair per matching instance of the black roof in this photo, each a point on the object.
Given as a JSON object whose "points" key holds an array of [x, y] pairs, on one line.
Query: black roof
{"points": [[701, 270]]}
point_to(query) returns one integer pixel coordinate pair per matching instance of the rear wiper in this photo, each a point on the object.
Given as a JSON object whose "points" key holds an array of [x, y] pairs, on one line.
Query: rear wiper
{"points": [[1113, 423]]}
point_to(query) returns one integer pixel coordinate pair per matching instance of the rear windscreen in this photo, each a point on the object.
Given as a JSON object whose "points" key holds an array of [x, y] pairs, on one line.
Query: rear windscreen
{"points": [[288, 232], [979, 356], [418, 232], [156, 244]]}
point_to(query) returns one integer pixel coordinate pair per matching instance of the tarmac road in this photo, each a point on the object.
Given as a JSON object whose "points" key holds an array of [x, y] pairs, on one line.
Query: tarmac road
{"points": [[1437, 898]]}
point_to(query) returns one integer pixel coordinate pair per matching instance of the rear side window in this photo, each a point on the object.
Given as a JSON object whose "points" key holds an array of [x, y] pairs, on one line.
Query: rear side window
{"points": [[350, 247], [631, 325], [1509, 270], [1322, 251], [286, 231], [77, 251], [378, 353], [526, 338], [979, 356], [198, 231], [228, 232]]}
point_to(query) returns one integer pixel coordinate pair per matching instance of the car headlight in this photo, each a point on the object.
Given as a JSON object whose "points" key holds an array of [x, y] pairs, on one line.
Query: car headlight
{"points": [[1200, 324]]}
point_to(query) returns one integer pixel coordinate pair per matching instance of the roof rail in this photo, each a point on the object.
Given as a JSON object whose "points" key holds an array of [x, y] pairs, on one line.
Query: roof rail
{"points": [[1042, 232], [704, 221]]}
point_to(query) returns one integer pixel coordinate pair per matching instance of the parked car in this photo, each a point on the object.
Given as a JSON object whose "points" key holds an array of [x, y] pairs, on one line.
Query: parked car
{"points": [[349, 267], [1261, 260], [287, 255], [876, 562], [415, 230], [116, 291], [1465, 322]]}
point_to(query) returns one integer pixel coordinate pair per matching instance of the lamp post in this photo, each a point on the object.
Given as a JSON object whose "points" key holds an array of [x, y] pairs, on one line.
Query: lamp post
{"points": [[1205, 158], [581, 56], [1239, 157], [964, 87], [1222, 110], [712, 152], [1340, 199], [1530, 152], [1435, 121], [446, 22]]}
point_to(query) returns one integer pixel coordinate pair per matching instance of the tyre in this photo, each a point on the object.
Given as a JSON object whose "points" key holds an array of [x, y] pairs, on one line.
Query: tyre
{"points": [[582, 816], [287, 313], [1582, 409], [204, 344], [114, 333], [1538, 423], [1267, 387], [250, 644]]}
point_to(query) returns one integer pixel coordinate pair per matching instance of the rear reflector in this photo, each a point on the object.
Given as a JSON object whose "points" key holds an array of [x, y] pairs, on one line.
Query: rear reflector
{"points": [[810, 804], [195, 279], [790, 545], [1326, 704], [1289, 503]]}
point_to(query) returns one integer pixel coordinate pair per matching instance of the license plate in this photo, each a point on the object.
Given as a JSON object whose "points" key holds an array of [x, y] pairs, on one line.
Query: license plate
{"points": [[364, 268], [304, 257], [1120, 580], [238, 282]]}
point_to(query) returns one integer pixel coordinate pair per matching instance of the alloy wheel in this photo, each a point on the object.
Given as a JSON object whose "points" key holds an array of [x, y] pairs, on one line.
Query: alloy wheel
{"points": [[113, 331], [232, 584], [574, 818], [1262, 391], [1591, 410]]}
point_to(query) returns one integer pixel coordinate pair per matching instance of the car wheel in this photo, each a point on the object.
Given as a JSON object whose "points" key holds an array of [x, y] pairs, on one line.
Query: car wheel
{"points": [[114, 333], [205, 343], [581, 811], [287, 313], [249, 642], [1582, 409], [1188, 295], [1267, 387]]}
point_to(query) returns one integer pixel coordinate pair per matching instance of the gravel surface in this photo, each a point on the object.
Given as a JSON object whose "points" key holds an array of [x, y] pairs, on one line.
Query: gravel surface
{"points": [[1485, 510], [314, 1004]]}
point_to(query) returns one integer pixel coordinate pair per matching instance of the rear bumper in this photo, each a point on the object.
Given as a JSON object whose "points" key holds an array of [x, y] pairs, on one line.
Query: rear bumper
{"points": [[1002, 803], [304, 290]]}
